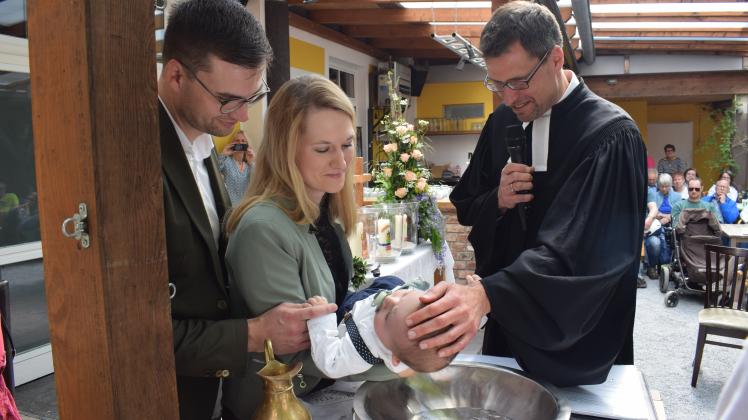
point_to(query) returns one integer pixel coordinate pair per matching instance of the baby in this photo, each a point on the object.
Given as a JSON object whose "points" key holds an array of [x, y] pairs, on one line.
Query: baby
{"points": [[374, 332]]}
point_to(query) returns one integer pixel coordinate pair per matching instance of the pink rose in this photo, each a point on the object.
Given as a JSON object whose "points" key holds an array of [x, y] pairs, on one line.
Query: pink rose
{"points": [[404, 157], [417, 154], [401, 129], [401, 192], [413, 139], [410, 127], [390, 147], [410, 176], [387, 172], [421, 185]]}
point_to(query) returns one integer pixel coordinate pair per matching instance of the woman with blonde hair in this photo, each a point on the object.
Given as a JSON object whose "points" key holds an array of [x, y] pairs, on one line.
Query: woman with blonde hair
{"points": [[287, 235]]}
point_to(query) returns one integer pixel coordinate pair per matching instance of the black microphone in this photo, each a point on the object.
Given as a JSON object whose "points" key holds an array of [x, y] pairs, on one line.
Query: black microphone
{"points": [[515, 145]]}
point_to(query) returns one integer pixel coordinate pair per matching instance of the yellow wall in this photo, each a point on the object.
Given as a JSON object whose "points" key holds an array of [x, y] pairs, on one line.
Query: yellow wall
{"points": [[306, 56], [436, 95], [703, 125]]}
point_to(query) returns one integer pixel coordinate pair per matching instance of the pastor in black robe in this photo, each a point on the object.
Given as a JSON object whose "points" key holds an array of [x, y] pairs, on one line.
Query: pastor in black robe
{"points": [[562, 292]]}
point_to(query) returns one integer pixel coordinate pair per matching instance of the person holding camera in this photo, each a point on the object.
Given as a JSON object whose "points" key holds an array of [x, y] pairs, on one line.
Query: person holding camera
{"points": [[236, 163]]}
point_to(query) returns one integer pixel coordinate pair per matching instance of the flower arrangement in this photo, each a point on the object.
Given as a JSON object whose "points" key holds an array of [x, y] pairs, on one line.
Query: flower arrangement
{"points": [[402, 175]]}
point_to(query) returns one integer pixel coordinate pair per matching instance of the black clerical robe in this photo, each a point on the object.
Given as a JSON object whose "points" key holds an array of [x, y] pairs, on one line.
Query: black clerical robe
{"points": [[562, 292]]}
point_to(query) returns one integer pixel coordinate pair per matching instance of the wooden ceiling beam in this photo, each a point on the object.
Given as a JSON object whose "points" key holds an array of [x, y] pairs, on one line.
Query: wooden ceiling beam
{"points": [[424, 54], [405, 16], [412, 43], [307, 25], [678, 18], [413, 30], [671, 85], [690, 33]]}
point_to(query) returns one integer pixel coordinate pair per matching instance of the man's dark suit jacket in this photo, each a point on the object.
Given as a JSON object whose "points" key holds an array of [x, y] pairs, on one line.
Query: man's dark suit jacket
{"points": [[208, 345]]}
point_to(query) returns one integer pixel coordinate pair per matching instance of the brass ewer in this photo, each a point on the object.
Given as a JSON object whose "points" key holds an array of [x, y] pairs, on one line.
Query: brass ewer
{"points": [[280, 402]]}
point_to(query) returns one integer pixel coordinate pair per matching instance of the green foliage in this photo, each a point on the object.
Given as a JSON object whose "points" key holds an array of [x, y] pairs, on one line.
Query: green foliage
{"points": [[359, 272], [722, 139]]}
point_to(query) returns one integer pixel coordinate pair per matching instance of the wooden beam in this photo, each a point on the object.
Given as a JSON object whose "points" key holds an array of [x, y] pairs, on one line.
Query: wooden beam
{"points": [[412, 30], [711, 33], [672, 46], [307, 25], [404, 16], [674, 18], [671, 85], [424, 53], [276, 28], [95, 124], [413, 43]]}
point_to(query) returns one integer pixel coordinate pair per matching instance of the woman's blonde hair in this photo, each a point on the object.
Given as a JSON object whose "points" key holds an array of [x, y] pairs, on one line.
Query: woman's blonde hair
{"points": [[276, 174]]}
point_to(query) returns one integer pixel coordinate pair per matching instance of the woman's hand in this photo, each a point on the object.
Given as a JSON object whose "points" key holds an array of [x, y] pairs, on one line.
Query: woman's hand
{"points": [[228, 149]]}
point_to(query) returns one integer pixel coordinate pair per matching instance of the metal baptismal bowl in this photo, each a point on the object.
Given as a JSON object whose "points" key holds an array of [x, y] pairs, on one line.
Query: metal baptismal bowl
{"points": [[462, 390]]}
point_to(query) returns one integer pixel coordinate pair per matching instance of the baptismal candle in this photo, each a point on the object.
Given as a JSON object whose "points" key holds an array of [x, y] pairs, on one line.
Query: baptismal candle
{"points": [[398, 242], [383, 233], [355, 240]]}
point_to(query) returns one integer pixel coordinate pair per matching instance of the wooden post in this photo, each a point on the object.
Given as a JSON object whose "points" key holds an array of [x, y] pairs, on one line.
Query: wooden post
{"points": [[96, 142], [358, 180]]}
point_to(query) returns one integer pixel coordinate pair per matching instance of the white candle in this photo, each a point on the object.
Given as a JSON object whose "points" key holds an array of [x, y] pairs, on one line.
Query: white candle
{"points": [[383, 232], [398, 242], [405, 230], [358, 240]]}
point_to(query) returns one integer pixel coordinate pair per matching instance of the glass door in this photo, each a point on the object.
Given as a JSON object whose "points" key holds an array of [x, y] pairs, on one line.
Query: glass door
{"points": [[20, 246]]}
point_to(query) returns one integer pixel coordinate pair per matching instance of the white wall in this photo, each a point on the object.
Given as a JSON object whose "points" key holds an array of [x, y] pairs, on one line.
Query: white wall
{"points": [[451, 150], [349, 60]]}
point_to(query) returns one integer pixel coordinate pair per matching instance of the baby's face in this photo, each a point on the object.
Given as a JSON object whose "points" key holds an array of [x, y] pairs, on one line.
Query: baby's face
{"points": [[389, 321]]}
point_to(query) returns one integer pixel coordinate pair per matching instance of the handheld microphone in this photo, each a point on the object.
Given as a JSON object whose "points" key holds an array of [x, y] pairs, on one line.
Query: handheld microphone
{"points": [[515, 145]]}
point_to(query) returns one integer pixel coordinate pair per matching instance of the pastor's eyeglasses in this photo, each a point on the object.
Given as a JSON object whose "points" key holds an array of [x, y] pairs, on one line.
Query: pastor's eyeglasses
{"points": [[229, 105], [516, 84]]}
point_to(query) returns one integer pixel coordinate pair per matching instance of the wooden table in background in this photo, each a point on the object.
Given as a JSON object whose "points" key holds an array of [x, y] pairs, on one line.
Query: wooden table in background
{"points": [[736, 233]]}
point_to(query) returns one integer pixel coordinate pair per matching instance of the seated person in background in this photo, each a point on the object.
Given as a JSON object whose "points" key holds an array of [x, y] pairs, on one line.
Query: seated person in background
{"points": [[236, 165], [660, 204], [679, 185], [690, 174], [733, 191], [670, 163], [374, 333], [651, 181], [694, 202], [727, 206]]}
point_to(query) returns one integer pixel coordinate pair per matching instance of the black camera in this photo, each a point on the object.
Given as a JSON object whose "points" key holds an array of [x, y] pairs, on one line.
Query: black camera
{"points": [[240, 147]]}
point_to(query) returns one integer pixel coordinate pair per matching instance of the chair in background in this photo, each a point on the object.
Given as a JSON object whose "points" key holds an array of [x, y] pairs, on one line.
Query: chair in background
{"points": [[724, 312]]}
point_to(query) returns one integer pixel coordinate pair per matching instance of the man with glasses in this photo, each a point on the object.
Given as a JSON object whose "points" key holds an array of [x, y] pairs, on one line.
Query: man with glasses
{"points": [[728, 208], [560, 294], [695, 202], [214, 55]]}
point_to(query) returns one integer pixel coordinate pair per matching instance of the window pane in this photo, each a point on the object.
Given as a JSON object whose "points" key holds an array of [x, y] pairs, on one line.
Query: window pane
{"points": [[13, 18], [346, 83], [19, 216], [28, 304]]}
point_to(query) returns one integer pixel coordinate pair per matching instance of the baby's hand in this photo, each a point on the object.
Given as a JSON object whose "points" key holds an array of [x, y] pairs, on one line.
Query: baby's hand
{"points": [[316, 301]]}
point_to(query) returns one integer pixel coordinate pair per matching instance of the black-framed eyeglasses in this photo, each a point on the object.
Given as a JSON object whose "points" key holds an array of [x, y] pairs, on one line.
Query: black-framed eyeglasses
{"points": [[694, 189], [517, 84], [229, 105]]}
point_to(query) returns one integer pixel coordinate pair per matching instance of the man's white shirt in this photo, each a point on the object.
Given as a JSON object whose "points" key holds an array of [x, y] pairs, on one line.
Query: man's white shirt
{"points": [[196, 152]]}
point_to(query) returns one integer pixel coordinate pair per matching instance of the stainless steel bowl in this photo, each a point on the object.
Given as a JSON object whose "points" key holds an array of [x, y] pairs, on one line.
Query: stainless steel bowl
{"points": [[463, 390]]}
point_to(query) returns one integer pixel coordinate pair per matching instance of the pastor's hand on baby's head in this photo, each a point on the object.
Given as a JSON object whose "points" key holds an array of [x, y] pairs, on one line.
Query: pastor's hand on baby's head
{"points": [[317, 301]]}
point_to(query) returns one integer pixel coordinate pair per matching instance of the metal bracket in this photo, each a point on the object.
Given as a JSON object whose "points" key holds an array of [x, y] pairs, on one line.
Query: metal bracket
{"points": [[79, 222]]}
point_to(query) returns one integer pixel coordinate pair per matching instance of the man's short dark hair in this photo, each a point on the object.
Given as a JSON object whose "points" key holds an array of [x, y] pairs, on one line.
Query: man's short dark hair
{"points": [[533, 25], [197, 29], [669, 146]]}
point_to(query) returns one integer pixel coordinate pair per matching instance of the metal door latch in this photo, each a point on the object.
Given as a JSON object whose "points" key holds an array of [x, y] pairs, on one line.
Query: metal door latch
{"points": [[79, 223]]}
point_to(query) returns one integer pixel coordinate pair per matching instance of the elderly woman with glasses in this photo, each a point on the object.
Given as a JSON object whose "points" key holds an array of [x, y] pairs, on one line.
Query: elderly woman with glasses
{"points": [[660, 204]]}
